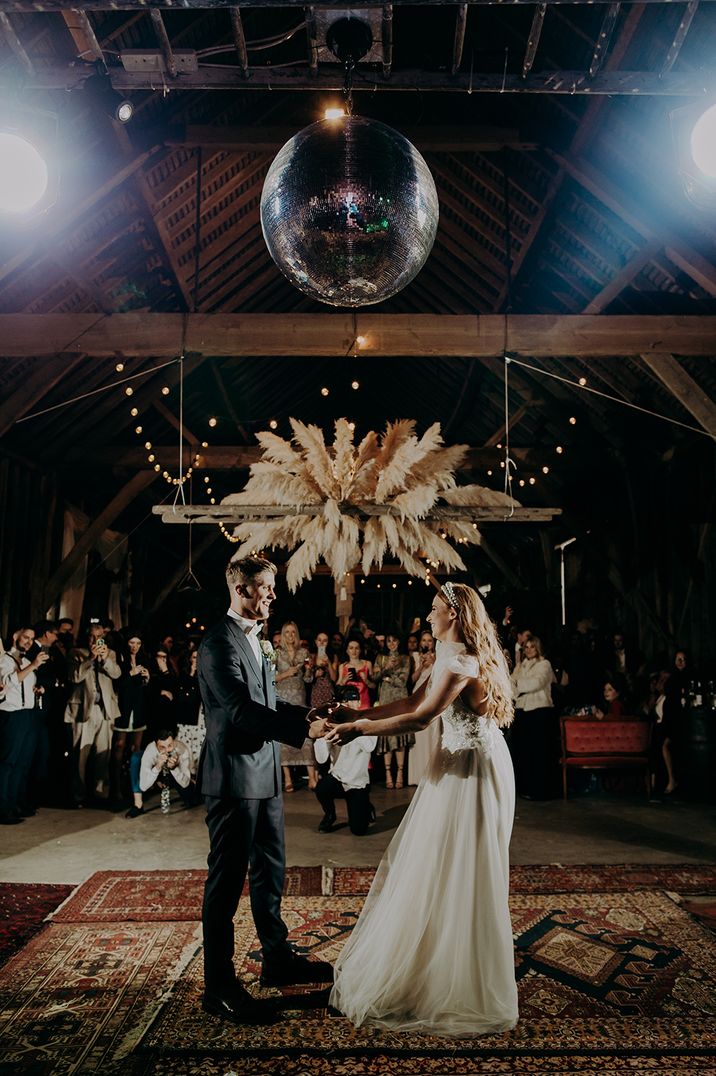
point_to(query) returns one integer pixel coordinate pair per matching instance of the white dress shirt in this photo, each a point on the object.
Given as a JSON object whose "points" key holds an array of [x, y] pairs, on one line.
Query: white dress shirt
{"points": [[19, 694], [252, 630], [349, 764], [149, 772]]}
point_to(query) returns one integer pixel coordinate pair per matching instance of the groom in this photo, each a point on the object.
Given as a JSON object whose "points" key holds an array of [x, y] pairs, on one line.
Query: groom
{"points": [[240, 777]]}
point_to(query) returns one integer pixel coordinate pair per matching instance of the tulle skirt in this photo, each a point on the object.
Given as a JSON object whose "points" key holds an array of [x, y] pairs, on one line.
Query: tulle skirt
{"points": [[432, 949]]}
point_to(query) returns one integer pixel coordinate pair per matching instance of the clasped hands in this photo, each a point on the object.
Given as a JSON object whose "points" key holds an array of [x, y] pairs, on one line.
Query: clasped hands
{"points": [[336, 723]]}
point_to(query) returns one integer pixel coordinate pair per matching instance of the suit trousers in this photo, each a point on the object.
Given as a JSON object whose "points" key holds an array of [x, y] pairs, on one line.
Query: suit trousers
{"points": [[243, 833], [18, 738], [357, 800]]}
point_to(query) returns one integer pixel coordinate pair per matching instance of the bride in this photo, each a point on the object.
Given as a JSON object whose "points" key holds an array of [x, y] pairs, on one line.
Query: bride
{"points": [[432, 949]]}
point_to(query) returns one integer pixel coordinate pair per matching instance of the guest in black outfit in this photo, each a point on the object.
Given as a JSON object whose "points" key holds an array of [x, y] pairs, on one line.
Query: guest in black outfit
{"points": [[240, 776]]}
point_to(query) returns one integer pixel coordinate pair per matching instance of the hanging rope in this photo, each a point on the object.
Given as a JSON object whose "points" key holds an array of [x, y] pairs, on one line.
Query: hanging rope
{"points": [[95, 392], [509, 462]]}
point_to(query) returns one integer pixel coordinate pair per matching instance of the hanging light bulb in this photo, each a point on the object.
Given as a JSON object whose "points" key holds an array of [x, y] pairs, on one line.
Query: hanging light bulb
{"points": [[147, 444], [355, 384], [572, 421], [273, 424], [545, 470], [324, 391], [138, 429], [212, 422], [559, 450], [134, 412], [165, 390], [129, 391], [119, 367]]}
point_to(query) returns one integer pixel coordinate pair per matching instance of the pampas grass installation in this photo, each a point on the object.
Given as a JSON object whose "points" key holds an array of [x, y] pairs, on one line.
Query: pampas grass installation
{"points": [[396, 469]]}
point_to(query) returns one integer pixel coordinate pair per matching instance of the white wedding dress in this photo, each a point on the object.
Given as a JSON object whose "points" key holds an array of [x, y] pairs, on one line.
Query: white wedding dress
{"points": [[432, 949]]}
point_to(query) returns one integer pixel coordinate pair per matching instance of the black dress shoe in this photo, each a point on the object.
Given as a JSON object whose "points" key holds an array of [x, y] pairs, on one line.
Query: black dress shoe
{"points": [[239, 1007], [326, 823], [291, 968]]}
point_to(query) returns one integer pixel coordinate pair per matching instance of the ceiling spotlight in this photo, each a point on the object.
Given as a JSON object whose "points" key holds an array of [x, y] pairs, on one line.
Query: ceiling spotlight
{"points": [[99, 87], [703, 142], [24, 176]]}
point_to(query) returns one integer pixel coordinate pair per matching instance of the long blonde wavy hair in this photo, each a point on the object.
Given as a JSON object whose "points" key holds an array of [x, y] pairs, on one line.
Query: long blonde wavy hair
{"points": [[480, 637]]}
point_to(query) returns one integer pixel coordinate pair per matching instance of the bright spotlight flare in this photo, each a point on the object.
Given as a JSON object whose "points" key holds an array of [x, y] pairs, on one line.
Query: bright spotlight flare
{"points": [[24, 176], [703, 142]]}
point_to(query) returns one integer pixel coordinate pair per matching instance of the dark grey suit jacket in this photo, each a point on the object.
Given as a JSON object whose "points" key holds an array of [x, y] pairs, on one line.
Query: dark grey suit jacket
{"points": [[240, 757]]}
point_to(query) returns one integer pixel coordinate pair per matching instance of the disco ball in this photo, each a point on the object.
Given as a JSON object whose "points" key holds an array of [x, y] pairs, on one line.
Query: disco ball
{"points": [[349, 211]]}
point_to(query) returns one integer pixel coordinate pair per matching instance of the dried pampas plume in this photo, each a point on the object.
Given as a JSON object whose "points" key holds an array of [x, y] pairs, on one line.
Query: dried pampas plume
{"points": [[398, 469]]}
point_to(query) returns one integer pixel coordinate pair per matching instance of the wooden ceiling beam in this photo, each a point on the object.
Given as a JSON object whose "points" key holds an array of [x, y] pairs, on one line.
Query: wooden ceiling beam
{"points": [[156, 335], [604, 37], [259, 139], [680, 36], [8, 32], [459, 38], [580, 138], [632, 213], [555, 84], [33, 387], [670, 372], [533, 39], [121, 500], [625, 276]]}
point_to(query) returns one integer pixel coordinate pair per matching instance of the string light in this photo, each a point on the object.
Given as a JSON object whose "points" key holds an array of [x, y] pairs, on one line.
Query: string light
{"points": [[572, 421], [151, 457], [522, 481], [361, 341], [165, 390], [147, 445], [545, 470], [559, 450], [582, 381], [204, 444], [119, 367], [207, 479], [324, 391], [362, 580], [355, 384], [490, 473], [138, 429], [532, 481], [129, 391], [410, 582], [273, 424], [212, 422], [134, 412]]}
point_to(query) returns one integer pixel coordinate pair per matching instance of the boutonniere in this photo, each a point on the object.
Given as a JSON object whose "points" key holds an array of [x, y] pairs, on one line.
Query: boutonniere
{"points": [[268, 652]]}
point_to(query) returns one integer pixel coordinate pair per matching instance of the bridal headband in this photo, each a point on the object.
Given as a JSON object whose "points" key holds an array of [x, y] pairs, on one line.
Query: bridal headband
{"points": [[448, 592]]}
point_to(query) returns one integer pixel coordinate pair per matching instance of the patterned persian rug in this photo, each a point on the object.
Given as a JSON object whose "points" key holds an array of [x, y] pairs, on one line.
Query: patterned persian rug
{"points": [[615, 975], [24, 906]]}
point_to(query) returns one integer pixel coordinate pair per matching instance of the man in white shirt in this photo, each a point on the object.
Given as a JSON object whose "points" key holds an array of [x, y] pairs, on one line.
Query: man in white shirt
{"points": [[166, 763], [18, 724], [347, 777]]}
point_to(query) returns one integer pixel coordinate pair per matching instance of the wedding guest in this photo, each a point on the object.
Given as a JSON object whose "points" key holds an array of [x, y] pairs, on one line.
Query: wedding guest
{"points": [[357, 671], [131, 724], [324, 670], [412, 645], [613, 704], [535, 732], [165, 763], [190, 722], [348, 776], [91, 711], [292, 668], [47, 779], [66, 634], [664, 711], [390, 673], [18, 724], [162, 693]]}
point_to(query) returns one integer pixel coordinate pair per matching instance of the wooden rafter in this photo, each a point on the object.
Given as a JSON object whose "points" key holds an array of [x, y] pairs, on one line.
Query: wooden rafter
{"points": [[159, 335], [616, 285], [680, 36], [670, 372], [604, 37], [632, 212], [32, 388], [237, 29], [609, 83], [106, 517], [459, 39], [8, 32], [533, 39]]}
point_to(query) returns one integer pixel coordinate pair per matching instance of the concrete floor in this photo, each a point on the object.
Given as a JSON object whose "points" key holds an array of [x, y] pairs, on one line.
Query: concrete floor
{"points": [[68, 846]]}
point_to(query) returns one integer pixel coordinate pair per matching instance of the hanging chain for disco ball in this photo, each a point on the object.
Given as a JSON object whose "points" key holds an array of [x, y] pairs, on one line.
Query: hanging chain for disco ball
{"points": [[349, 208]]}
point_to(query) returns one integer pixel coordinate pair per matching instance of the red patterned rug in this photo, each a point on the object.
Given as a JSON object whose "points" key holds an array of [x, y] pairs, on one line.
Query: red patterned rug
{"points": [[175, 896], [24, 907], [614, 976]]}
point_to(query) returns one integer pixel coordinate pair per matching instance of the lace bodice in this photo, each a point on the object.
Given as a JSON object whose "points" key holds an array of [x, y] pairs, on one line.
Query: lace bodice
{"points": [[463, 729]]}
